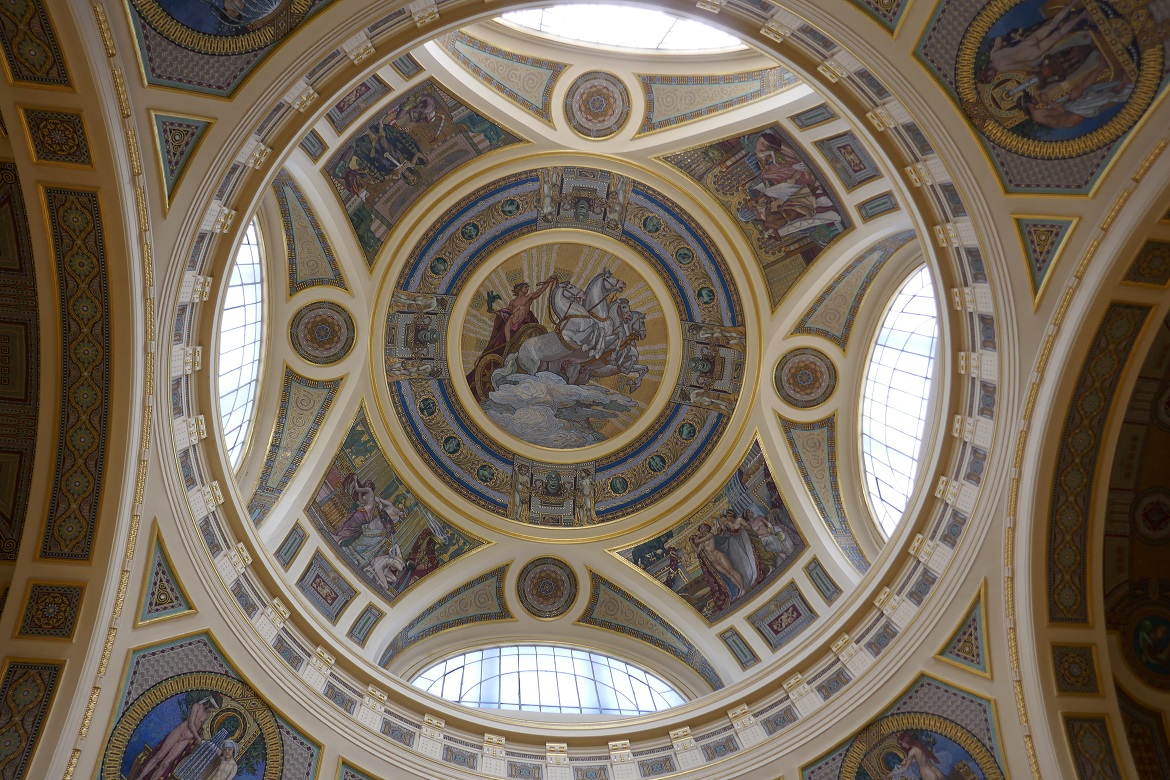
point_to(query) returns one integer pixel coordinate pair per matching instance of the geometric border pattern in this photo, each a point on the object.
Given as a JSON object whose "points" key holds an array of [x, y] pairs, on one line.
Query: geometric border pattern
{"points": [[50, 610], [176, 138], [1076, 464], [301, 423], [75, 220], [26, 693], [814, 448], [1090, 739], [34, 26], [524, 69], [1145, 731], [1075, 667], [1042, 239], [967, 645], [283, 186], [57, 137], [163, 595]]}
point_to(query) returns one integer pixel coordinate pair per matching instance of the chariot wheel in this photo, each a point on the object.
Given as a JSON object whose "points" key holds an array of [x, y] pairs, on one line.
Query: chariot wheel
{"points": [[484, 368]]}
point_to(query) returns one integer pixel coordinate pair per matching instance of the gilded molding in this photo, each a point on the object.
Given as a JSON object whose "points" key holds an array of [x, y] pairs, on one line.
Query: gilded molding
{"points": [[1115, 209], [120, 91], [1149, 160], [87, 717], [103, 24], [120, 599], [71, 767], [107, 651], [133, 148], [132, 537]]}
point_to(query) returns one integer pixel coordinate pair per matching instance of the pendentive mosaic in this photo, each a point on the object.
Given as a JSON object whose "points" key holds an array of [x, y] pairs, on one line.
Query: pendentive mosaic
{"points": [[736, 545], [184, 711], [373, 522], [779, 197], [1051, 89]]}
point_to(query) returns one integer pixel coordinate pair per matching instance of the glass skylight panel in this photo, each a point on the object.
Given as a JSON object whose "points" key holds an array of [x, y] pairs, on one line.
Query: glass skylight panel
{"points": [[898, 381], [544, 678], [624, 27], [240, 333]]}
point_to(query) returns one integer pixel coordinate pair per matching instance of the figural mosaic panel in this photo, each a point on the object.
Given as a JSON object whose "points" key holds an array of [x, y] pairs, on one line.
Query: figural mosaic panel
{"points": [[733, 548], [186, 712], [374, 523], [409, 145], [623, 352], [778, 195]]}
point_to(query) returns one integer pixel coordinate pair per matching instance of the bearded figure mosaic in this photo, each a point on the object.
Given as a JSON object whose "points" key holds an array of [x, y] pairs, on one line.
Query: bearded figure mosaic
{"points": [[1055, 78]]}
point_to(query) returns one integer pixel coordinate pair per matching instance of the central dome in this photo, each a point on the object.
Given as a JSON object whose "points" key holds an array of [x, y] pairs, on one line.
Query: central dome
{"points": [[564, 346]]}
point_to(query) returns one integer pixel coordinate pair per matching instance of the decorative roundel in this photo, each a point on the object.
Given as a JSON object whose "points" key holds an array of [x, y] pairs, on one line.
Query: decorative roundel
{"points": [[805, 378], [1146, 643], [322, 332], [547, 587], [597, 104], [1151, 516]]}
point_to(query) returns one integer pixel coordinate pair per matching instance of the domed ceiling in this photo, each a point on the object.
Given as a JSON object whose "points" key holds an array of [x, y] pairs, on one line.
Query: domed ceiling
{"points": [[581, 284]]}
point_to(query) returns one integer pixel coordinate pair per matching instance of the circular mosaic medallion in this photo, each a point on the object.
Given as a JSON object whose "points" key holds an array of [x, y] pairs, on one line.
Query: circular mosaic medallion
{"points": [[1151, 516], [805, 378], [1052, 81], [597, 104], [322, 332], [898, 744], [1146, 642], [547, 587], [522, 319]]}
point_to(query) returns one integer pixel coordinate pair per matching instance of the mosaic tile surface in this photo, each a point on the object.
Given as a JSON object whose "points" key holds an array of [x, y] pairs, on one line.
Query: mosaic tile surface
{"points": [[814, 448], [967, 646], [525, 80], [1145, 731], [832, 314], [1080, 442], [354, 103], [304, 404], [613, 609], [26, 693], [190, 678], [163, 595], [30, 44], [177, 138], [50, 611], [325, 588], [1042, 239], [476, 601], [57, 137], [1152, 265], [1091, 742], [932, 730], [75, 222], [1076, 669], [784, 617], [675, 100], [852, 163], [310, 256]]}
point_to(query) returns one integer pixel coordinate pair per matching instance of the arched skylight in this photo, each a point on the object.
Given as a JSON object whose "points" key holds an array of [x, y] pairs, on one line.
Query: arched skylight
{"points": [[623, 26], [241, 329], [897, 394], [540, 678]]}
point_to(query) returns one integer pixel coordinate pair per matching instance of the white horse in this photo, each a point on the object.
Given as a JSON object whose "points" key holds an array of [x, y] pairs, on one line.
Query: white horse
{"points": [[622, 359]]}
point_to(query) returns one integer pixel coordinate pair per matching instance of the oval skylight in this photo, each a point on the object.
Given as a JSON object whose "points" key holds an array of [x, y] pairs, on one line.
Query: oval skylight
{"points": [[624, 27], [896, 397], [541, 678], [240, 333]]}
